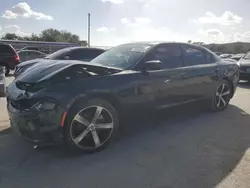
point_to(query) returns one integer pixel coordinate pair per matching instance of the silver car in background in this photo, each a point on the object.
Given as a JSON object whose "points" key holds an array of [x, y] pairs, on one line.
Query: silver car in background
{"points": [[26, 55]]}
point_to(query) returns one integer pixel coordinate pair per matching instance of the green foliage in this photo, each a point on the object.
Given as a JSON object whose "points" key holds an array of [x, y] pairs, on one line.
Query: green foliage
{"points": [[48, 35], [231, 48]]}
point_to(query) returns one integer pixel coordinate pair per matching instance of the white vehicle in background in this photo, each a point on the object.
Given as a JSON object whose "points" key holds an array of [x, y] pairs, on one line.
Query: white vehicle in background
{"points": [[237, 57], [223, 56], [26, 55]]}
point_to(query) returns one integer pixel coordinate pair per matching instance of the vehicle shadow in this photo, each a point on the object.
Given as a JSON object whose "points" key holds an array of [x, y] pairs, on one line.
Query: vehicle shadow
{"points": [[245, 85], [183, 148]]}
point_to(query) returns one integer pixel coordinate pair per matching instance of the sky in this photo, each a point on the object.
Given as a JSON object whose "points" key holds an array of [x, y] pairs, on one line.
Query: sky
{"points": [[115, 22]]}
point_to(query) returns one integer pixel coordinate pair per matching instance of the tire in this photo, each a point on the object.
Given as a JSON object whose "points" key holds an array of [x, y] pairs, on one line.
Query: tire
{"points": [[7, 70], [90, 134], [222, 96]]}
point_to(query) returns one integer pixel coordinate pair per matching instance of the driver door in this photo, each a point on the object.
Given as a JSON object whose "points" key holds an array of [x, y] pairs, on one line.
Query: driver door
{"points": [[167, 83]]}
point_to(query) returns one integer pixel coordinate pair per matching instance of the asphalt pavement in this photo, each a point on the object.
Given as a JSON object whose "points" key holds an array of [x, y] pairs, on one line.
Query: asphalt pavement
{"points": [[185, 147]]}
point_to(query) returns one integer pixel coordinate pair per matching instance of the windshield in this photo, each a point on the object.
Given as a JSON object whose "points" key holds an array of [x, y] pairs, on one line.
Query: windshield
{"points": [[247, 56], [122, 56], [58, 54]]}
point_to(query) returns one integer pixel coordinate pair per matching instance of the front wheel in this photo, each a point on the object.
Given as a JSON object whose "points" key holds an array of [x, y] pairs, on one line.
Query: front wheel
{"points": [[222, 96], [91, 125]]}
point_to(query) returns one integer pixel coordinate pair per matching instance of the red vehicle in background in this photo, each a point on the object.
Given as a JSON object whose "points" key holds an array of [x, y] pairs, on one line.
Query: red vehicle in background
{"points": [[8, 57]]}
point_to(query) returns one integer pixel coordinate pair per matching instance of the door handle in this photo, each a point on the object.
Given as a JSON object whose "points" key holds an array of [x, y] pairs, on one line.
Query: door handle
{"points": [[216, 69]]}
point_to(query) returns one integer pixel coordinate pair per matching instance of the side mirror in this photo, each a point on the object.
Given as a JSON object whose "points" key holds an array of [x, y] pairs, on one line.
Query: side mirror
{"points": [[66, 57], [152, 65]]}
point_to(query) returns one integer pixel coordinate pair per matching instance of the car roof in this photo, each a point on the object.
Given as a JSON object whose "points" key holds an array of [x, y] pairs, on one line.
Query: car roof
{"points": [[29, 51], [4, 44], [153, 43], [83, 47]]}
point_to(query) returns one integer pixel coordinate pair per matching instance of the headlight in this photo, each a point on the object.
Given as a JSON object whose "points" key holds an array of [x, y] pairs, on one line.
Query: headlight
{"points": [[43, 106]]}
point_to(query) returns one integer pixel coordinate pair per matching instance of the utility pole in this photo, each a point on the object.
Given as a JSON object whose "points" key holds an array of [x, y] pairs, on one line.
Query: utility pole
{"points": [[89, 29]]}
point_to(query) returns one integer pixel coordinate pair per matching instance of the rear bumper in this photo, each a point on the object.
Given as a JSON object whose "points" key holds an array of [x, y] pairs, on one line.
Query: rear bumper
{"points": [[12, 64], [37, 127]]}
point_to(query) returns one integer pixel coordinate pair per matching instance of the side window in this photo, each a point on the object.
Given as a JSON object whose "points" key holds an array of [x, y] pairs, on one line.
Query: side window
{"points": [[6, 49], [94, 53], [84, 54], [77, 54], [22, 56], [210, 58], [170, 55], [193, 56]]}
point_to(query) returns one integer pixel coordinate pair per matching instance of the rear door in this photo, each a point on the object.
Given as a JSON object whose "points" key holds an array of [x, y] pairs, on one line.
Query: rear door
{"points": [[200, 71]]}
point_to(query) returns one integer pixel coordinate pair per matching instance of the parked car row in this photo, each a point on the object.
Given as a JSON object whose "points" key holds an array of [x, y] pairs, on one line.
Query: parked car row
{"points": [[244, 67], [8, 57], [71, 53], [80, 103]]}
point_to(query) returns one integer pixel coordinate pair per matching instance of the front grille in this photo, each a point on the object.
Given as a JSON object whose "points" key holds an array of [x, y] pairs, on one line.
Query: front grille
{"points": [[244, 68], [22, 104]]}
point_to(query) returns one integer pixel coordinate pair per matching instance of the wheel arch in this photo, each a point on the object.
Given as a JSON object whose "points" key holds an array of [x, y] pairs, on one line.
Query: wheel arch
{"points": [[112, 99]]}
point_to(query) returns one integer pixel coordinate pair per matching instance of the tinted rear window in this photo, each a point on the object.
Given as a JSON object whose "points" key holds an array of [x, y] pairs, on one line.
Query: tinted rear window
{"points": [[193, 56], [85, 54], [6, 49]]}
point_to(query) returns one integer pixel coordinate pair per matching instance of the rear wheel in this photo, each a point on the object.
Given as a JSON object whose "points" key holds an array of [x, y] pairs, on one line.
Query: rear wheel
{"points": [[91, 125], [222, 96]]}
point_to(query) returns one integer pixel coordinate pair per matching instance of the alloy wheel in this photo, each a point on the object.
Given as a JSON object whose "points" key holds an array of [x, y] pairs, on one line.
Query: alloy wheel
{"points": [[91, 127], [222, 96]]}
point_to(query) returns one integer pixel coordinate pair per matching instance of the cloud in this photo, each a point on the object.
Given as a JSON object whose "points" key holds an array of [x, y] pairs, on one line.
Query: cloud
{"points": [[142, 20], [125, 21], [9, 15], [138, 21], [12, 29], [210, 32], [226, 19], [105, 29], [24, 10], [113, 1], [216, 36]]}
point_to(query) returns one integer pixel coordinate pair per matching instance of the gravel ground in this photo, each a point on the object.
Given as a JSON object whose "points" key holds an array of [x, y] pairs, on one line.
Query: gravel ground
{"points": [[182, 148]]}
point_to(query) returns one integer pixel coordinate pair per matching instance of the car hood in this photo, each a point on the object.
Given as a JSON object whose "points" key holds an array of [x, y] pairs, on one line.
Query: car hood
{"points": [[47, 69], [244, 62]]}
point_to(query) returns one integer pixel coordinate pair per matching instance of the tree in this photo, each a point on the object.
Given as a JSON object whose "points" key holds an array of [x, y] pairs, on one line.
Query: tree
{"points": [[238, 48], [83, 43], [48, 35], [11, 36], [199, 43]]}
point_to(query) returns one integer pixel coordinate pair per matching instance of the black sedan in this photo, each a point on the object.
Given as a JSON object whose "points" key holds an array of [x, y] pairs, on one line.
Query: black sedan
{"points": [[244, 67], [71, 53], [81, 103]]}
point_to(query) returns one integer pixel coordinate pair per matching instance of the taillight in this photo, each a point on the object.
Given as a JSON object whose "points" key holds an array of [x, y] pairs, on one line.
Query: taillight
{"points": [[16, 58]]}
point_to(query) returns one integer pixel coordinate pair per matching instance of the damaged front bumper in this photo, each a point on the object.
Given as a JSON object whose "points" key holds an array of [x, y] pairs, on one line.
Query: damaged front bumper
{"points": [[36, 126]]}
